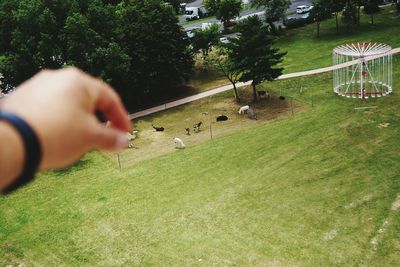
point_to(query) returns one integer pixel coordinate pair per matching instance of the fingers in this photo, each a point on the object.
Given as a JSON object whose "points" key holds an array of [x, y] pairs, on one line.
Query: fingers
{"points": [[110, 104], [109, 138], [106, 100]]}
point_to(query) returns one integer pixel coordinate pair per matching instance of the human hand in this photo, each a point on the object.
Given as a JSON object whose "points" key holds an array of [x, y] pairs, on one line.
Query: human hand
{"points": [[60, 106]]}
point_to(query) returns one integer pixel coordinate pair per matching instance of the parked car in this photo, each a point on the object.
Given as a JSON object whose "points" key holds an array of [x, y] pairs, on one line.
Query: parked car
{"points": [[224, 40], [191, 31], [303, 9], [193, 13]]}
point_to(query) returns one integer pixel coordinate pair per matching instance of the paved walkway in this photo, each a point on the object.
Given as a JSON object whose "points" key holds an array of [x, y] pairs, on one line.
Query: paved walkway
{"points": [[230, 87]]}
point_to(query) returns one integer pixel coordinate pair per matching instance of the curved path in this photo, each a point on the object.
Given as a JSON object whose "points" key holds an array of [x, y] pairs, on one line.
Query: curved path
{"points": [[230, 87]]}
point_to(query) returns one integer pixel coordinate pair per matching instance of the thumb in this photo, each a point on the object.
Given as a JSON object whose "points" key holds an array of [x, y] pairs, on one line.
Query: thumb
{"points": [[109, 138]]}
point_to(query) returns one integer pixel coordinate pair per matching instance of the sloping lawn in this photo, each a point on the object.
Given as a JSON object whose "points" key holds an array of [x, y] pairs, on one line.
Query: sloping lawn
{"points": [[318, 188], [305, 51]]}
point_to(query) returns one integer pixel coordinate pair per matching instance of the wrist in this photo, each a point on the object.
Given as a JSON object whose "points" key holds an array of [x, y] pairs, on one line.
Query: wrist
{"points": [[11, 154]]}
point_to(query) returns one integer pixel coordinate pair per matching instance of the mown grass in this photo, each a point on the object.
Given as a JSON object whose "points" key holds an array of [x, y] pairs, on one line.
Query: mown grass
{"points": [[312, 189], [305, 51]]}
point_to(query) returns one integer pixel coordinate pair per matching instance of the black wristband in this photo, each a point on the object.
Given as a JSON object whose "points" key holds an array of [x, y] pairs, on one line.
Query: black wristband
{"points": [[33, 151]]}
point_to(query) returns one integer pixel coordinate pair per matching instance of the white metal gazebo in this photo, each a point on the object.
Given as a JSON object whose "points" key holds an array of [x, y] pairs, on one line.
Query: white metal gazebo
{"points": [[367, 70]]}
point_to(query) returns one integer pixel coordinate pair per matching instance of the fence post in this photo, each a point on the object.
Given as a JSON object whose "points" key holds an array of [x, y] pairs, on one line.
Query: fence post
{"points": [[119, 162]]}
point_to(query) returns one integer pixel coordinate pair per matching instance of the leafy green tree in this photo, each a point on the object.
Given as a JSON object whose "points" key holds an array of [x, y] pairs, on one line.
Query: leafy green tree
{"points": [[159, 49], [349, 14], [371, 7], [397, 4], [358, 4], [320, 12], [175, 4], [135, 45], [205, 39], [252, 53], [275, 10], [224, 10], [336, 6], [220, 61]]}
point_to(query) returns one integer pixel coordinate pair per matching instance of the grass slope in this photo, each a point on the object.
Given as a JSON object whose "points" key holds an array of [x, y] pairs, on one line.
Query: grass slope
{"points": [[306, 51], [311, 189]]}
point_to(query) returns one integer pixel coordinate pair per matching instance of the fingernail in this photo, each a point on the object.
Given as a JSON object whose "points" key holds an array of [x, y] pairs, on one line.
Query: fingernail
{"points": [[121, 142]]}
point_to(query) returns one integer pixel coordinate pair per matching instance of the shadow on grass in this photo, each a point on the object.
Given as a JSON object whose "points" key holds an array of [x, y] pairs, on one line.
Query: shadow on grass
{"points": [[80, 165]]}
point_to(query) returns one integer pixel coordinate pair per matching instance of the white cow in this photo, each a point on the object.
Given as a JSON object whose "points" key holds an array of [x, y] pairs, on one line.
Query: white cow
{"points": [[243, 110], [179, 143]]}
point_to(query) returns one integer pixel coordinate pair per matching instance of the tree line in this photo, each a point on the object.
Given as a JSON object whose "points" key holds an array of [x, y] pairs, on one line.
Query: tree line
{"points": [[135, 45]]}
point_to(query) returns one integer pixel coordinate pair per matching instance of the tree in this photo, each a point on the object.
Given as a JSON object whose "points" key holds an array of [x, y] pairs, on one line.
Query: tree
{"points": [[204, 40], [224, 10], [320, 12], [221, 62], [135, 45], [159, 49], [349, 14], [371, 7], [358, 4], [397, 3], [275, 10], [252, 53], [175, 4], [336, 6]]}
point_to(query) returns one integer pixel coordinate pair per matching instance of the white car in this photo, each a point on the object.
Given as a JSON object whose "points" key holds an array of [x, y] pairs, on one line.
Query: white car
{"points": [[303, 9], [224, 40]]}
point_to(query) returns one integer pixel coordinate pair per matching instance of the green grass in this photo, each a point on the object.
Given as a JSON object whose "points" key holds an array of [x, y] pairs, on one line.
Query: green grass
{"points": [[306, 51], [312, 189]]}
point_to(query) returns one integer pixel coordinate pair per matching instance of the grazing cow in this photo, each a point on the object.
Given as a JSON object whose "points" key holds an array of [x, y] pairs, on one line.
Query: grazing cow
{"points": [[179, 143], [222, 118], [158, 129], [187, 131], [243, 110], [196, 127], [252, 114], [263, 94]]}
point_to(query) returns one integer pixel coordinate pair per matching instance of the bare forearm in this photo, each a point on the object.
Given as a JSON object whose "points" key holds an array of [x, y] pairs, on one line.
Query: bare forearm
{"points": [[11, 154]]}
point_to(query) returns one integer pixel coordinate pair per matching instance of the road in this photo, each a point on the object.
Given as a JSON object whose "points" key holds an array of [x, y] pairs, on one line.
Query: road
{"points": [[229, 87], [291, 10]]}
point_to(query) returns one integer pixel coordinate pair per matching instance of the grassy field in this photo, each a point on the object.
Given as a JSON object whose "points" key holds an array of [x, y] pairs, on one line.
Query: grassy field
{"points": [[305, 51], [319, 187]]}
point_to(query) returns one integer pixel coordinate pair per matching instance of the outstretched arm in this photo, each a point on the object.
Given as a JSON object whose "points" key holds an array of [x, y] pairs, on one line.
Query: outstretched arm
{"points": [[60, 107]]}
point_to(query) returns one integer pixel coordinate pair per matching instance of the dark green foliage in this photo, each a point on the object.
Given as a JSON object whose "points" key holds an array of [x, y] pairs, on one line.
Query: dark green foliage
{"points": [[135, 45], [175, 4], [336, 6], [349, 14], [292, 23], [371, 7], [320, 12], [224, 10], [253, 55], [275, 10], [204, 40]]}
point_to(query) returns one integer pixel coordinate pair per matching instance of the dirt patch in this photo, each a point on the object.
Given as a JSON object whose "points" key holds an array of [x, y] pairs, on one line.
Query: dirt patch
{"points": [[359, 202], [330, 235], [383, 125], [150, 144], [396, 203]]}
